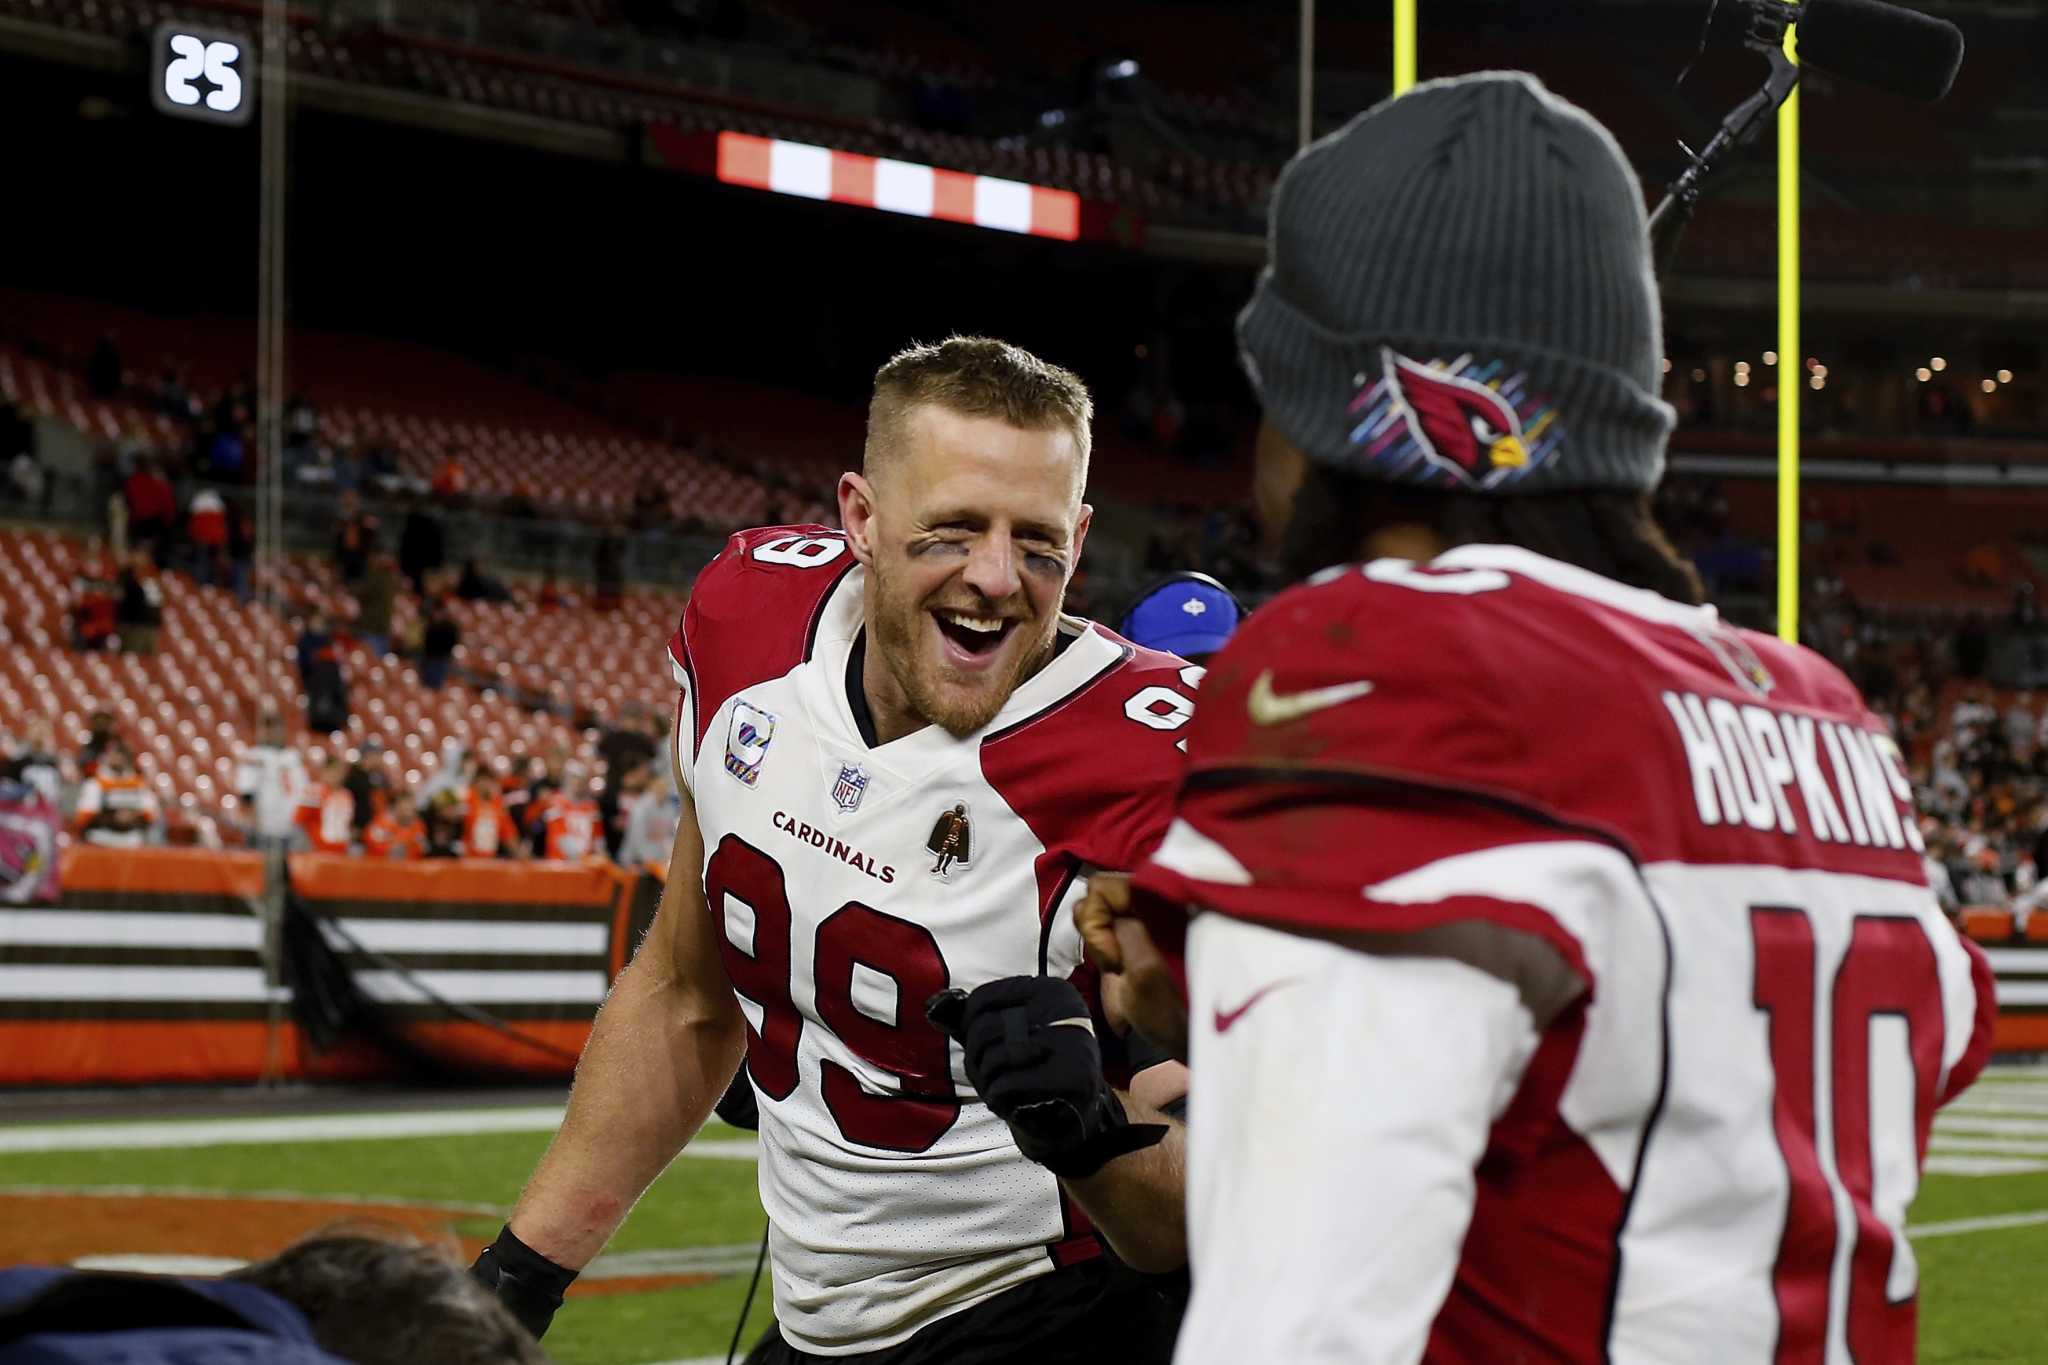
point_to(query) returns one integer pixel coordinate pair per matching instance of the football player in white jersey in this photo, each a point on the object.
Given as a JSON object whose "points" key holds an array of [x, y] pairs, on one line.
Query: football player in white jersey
{"points": [[1582, 938], [899, 762]]}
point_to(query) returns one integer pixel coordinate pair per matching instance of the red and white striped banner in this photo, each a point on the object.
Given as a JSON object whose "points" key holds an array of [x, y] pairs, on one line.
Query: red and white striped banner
{"points": [[897, 186]]}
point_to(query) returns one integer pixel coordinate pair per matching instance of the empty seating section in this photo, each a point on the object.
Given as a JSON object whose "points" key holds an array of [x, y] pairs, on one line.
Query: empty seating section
{"points": [[188, 708], [510, 437]]}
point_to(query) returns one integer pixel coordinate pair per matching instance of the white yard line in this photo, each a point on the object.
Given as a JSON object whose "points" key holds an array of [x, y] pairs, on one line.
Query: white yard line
{"points": [[301, 1196], [1972, 1123], [69, 1137], [1952, 1143], [1984, 1165], [1963, 1226]]}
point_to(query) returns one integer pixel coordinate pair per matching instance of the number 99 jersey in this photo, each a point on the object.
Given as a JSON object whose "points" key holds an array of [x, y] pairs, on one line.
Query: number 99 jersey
{"points": [[852, 883]]}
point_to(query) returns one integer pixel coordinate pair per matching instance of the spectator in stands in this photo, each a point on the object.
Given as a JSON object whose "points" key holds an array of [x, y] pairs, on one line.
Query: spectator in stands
{"points": [[95, 600], [32, 760], [100, 734], [139, 604], [27, 482], [522, 503], [355, 540], [477, 586], [451, 481], [103, 369], [271, 781], [650, 505], [609, 568], [651, 828], [115, 807], [365, 781], [422, 545], [320, 674], [152, 504], [327, 812], [173, 397], [225, 451], [242, 553], [397, 833], [376, 596], [206, 529], [487, 830], [348, 465], [438, 642], [570, 825], [623, 746], [380, 469]]}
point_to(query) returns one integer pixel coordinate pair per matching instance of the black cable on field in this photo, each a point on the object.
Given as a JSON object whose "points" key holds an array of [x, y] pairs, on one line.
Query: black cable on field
{"points": [[468, 1013], [739, 1329]]}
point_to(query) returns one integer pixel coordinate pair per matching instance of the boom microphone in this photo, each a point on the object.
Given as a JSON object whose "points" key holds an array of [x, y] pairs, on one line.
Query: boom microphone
{"points": [[1888, 47]]}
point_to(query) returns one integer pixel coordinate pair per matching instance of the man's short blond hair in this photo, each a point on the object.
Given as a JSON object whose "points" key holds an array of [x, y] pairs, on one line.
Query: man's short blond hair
{"points": [[976, 377]]}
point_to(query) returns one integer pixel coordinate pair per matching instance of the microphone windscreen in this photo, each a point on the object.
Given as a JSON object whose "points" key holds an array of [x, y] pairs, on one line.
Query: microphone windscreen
{"points": [[1886, 46]]}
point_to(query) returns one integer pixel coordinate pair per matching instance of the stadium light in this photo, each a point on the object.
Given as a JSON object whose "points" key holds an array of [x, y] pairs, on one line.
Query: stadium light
{"points": [[1770, 357], [2005, 376], [1990, 386], [1938, 364], [1923, 374]]}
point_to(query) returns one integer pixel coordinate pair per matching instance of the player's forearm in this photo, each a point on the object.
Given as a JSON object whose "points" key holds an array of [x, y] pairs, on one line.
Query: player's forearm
{"points": [[1139, 1200], [659, 1057]]}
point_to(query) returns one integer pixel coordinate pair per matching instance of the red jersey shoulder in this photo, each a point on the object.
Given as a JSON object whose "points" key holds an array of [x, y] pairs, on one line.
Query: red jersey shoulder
{"points": [[1350, 672], [1094, 775], [754, 611], [1583, 702]]}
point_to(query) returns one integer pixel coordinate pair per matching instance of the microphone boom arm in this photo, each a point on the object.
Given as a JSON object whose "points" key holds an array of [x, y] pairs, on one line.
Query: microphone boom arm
{"points": [[1768, 21]]}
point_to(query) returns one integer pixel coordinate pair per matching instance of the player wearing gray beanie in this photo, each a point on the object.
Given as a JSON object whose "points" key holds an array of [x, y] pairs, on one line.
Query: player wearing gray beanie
{"points": [[1458, 328], [1488, 916]]}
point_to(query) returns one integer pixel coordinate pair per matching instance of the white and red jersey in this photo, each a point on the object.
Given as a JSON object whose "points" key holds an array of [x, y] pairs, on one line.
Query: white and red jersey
{"points": [[853, 883], [1707, 1153]]}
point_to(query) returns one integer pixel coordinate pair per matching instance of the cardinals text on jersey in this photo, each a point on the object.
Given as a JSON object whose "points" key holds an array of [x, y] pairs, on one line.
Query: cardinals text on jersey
{"points": [[854, 883], [1709, 1156]]}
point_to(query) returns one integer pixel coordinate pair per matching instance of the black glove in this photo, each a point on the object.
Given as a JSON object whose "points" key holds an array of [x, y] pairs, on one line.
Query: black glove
{"points": [[526, 1282], [1031, 1054]]}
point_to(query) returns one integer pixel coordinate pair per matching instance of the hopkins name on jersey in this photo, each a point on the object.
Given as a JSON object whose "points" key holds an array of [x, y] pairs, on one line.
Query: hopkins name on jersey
{"points": [[1709, 1154], [852, 883]]}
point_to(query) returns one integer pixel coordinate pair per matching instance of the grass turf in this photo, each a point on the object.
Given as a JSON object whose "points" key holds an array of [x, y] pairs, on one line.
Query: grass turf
{"points": [[1980, 1299]]}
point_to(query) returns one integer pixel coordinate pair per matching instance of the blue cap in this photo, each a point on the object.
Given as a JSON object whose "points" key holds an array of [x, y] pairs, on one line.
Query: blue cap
{"points": [[1189, 614]]}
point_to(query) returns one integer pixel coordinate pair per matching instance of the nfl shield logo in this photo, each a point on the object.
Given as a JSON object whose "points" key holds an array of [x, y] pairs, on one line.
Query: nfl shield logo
{"points": [[851, 786]]}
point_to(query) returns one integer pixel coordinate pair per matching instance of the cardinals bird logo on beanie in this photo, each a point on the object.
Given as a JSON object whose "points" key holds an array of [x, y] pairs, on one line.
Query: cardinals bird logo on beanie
{"points": [[1452, 423]]}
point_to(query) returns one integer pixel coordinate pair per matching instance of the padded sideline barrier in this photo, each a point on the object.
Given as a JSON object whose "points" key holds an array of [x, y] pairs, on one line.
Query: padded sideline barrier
{"points": [[152, 968]]}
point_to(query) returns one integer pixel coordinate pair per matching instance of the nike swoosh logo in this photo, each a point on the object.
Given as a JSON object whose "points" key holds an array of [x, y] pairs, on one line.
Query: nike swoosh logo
{"points": [[1226, 1018], [1267, 707]]}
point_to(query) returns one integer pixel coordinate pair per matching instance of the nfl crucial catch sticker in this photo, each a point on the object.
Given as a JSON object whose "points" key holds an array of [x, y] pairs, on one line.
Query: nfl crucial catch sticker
{"points": [[746, 741], [1460, 423]]}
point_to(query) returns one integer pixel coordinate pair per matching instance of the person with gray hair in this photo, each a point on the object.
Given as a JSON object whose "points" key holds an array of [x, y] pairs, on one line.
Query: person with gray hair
{"points": [[344, 1297]]}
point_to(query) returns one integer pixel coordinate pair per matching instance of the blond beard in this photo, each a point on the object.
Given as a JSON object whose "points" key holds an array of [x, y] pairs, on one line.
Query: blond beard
{"points": [[895, 635]]}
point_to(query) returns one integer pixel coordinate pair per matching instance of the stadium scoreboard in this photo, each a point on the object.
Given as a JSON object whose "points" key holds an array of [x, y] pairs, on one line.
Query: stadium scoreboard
{"points": [[202, 73]]}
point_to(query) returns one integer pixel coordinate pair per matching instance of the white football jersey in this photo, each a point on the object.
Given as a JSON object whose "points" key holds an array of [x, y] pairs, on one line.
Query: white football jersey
{"points": [[853, 883]]}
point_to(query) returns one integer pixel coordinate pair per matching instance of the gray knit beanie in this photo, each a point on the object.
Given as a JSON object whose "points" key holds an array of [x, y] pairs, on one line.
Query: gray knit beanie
{"points": [[1458, 294]]}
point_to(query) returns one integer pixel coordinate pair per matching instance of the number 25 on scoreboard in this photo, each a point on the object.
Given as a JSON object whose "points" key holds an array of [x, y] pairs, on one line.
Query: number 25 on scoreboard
{"points": [[201, 73]]}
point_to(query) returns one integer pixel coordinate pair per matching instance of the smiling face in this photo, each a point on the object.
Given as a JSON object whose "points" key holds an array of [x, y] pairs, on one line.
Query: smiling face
{"points": [[970, 531]]}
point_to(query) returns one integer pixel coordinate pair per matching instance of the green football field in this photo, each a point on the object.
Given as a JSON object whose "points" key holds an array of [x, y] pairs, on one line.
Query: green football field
{"points": [[675, 1277]]}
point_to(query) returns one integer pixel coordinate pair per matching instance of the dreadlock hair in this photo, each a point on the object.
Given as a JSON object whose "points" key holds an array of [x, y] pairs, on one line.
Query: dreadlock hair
{"points": [[1610, 532]]}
